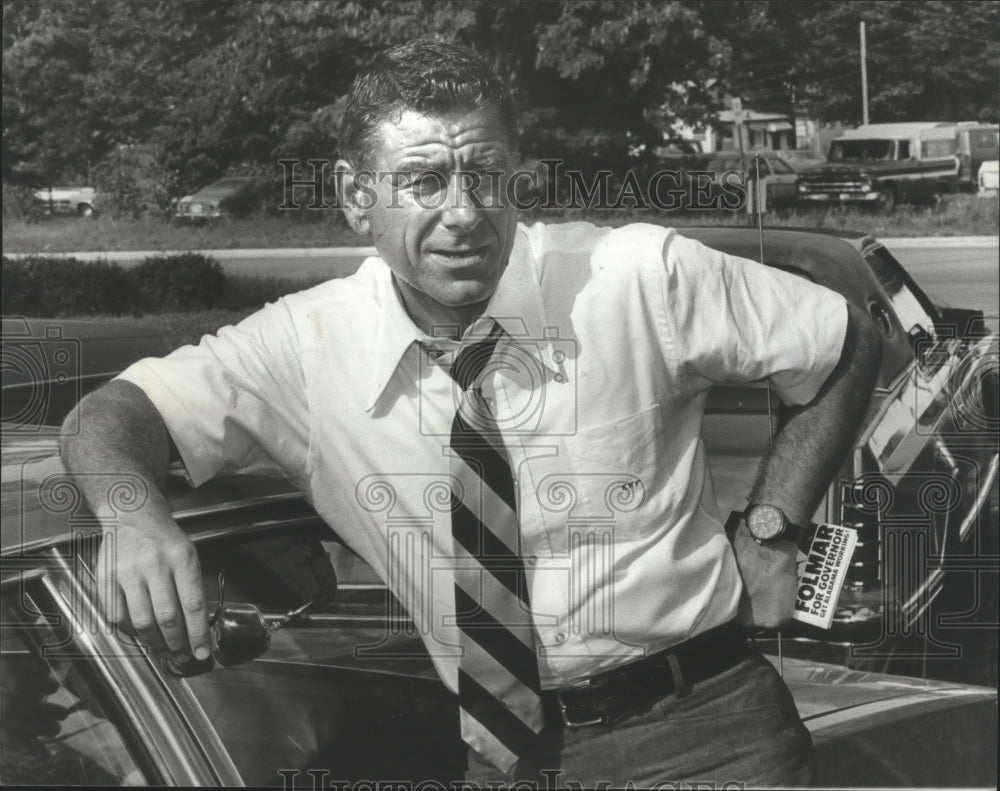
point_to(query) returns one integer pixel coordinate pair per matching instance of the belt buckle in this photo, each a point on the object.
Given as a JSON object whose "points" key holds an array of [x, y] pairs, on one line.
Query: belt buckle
{"points": [[571, 723]]}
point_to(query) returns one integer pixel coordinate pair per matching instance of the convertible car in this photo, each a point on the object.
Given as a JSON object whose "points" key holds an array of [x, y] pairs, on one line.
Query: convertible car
{"points": [[319, 678]]}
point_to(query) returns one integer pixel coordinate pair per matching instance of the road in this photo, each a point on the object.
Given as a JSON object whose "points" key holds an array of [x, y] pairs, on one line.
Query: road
{"points": [[967, 277]]}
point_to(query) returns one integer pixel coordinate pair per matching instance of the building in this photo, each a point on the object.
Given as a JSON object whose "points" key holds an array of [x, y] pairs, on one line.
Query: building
{"points": [[775, 131]]}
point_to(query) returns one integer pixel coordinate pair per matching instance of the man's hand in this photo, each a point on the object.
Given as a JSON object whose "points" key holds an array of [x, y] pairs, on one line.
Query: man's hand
{"points": [[147, 571], [769, 580], [150, 584]]}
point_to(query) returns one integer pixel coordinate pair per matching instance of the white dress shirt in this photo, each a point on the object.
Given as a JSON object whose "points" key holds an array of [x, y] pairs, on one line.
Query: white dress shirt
{"points": [[615, 336]]}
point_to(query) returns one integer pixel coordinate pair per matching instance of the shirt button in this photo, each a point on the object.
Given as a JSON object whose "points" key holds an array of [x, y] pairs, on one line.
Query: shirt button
{"points": [[560, 638]]}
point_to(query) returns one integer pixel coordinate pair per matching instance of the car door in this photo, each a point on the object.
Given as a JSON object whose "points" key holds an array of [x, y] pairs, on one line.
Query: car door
{"points": [[782, 181], [346, 688], [81, 704]]}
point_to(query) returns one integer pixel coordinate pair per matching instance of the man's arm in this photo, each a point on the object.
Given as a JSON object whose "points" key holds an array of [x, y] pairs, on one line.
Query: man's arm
{"points": [[813, 439], [805, 455], [151, 566]]}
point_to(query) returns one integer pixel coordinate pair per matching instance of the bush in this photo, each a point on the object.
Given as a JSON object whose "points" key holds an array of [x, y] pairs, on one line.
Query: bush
{"points": [[183, 283], [40, 286], [131, 182], [186, 281], [18, 202]]}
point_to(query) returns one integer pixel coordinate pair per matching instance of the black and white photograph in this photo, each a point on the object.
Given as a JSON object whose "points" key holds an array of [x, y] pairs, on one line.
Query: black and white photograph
{"points": [[467, 394]]}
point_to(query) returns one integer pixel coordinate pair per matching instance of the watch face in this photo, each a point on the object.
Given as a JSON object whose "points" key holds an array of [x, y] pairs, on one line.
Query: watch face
{"points": [[765, 522]]}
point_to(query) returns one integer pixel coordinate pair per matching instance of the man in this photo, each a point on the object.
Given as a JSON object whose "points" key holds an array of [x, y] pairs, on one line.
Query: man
{"points": [[554, 377]]}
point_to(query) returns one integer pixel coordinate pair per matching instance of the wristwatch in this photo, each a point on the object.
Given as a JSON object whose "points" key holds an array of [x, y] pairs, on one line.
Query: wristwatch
{"points": [[768, 523]]}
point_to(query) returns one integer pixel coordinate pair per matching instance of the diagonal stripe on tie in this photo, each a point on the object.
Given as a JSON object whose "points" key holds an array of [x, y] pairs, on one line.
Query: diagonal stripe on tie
{"points": [[488, 550], [481, 587], [502, 684], [485, 460], [497, 717], [497, 639]]}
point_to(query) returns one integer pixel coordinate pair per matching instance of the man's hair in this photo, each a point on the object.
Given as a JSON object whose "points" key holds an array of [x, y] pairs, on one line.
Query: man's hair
{"points": [[427, 76]]}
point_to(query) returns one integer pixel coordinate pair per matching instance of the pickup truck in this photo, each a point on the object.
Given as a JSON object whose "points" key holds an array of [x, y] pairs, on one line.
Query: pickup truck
{"points": [[66, 200], [881, 165]]}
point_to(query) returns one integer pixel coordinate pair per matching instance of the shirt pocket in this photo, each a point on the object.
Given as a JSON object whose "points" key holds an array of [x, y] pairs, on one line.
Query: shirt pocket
{"points": [[621, 475]]}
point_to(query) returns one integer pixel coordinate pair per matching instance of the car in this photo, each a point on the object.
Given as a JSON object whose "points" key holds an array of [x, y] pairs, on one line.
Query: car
{"points": [[234, 196], [318, 674], [780, 178], [882, 165], [802, 159], [66, 200]]}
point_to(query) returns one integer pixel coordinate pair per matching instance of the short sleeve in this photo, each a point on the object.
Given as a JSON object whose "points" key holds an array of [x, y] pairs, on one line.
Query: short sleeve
{"points": [[236, 401], [730, 319]]}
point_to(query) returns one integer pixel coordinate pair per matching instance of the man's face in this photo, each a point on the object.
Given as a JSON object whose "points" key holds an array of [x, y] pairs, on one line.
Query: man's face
{"points": [[446, 238]]}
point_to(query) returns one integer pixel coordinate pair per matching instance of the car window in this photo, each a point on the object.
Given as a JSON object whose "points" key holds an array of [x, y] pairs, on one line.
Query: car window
{"points": [[914, 310], [984, 139], [938, 148], [780, 166], [860, 149], [54, 729], [353, 667]]}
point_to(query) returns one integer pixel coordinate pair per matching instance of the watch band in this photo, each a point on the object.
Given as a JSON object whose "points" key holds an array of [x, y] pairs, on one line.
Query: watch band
{"points": [[786, 530]]}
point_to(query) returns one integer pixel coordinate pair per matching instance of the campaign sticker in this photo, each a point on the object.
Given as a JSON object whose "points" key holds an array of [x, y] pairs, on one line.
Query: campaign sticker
{"points": [[822, 570]]}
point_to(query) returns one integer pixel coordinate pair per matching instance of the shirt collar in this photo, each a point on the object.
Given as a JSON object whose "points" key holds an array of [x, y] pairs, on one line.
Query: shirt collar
{"points": [[516, 306], [394, 335]]}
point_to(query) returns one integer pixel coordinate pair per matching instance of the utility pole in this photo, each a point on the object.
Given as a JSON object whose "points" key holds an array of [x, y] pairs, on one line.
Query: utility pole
{"points": [[864, 77]]}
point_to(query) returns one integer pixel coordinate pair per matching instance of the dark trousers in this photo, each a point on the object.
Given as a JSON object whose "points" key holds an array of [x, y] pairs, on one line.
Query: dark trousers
{"points": [[737, 729]]}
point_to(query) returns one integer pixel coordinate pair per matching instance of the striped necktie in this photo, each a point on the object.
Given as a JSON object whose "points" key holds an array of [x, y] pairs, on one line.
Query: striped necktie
{"points": [[498, 686]]}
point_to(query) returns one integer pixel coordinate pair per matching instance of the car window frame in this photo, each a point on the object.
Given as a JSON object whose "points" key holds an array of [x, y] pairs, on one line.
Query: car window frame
{"points": [[158, 718]]}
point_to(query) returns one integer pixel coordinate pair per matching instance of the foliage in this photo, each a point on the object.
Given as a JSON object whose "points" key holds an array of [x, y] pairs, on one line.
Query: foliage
{"points": [[190, 282], [18, 202], [131, 183], [185, 281], [41, 286], [928, 60], [223, 87]]}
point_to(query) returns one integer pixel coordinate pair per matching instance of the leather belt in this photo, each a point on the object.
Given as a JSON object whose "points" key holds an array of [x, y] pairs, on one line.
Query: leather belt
{"points": [[634, 687]]}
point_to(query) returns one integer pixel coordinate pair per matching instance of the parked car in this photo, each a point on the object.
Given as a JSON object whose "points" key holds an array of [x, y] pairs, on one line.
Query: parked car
{"points": [[881, 165], [802, 159], [340, 682], [780, 178], [235, 196], [66, 200], [976, 144]]}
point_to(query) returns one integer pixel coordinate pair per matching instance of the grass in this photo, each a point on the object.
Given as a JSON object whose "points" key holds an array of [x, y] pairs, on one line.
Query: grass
{"points": [[958, 215], [72, 234]]}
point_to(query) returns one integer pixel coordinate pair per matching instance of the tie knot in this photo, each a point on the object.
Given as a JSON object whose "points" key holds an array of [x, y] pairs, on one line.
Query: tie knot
{"points": [[473, 358]]}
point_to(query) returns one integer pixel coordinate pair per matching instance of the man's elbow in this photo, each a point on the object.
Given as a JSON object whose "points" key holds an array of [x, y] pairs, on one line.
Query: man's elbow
{"points": [[73, 435], [118, 417], [869, 346], [863, 347]]}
